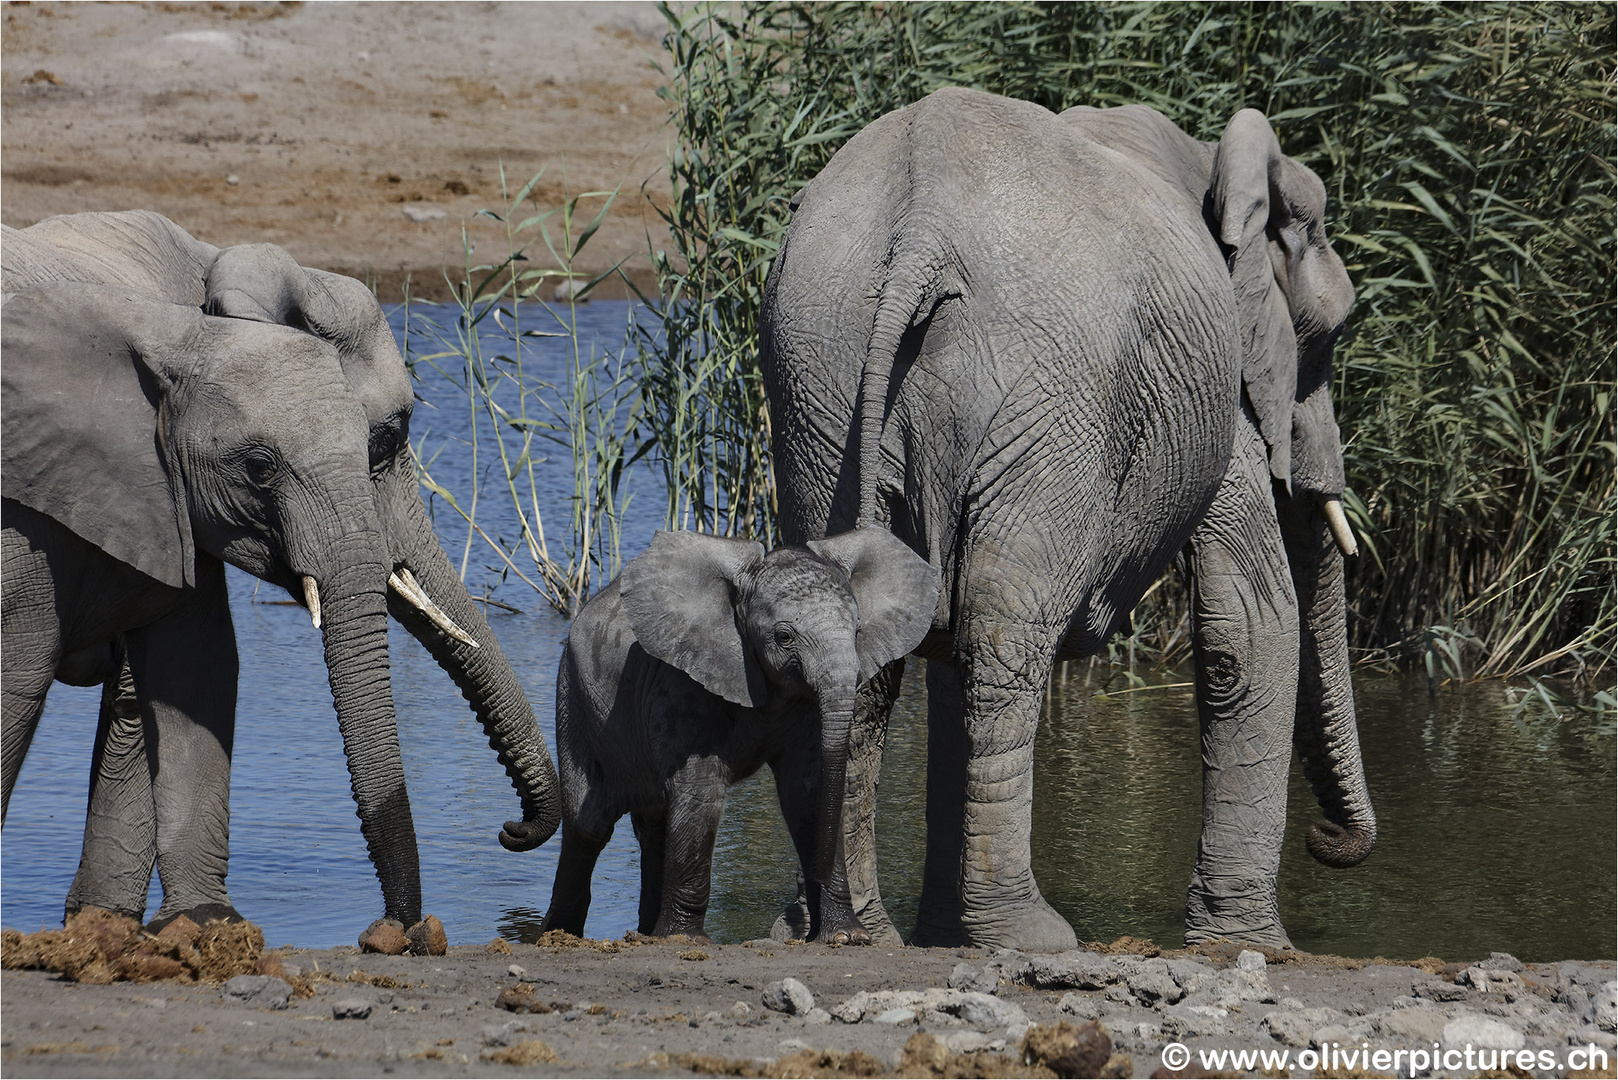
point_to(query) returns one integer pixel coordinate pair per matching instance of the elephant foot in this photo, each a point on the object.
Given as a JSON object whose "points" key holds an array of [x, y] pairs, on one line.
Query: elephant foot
{"points": [[874, 917], [427, 938], [1029, 926], [385, 936], [793, 922], [1244, 916], [838, 924], [201, 914]]}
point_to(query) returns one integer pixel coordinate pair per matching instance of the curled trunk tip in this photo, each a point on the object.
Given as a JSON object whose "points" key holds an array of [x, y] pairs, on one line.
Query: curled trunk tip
{"points": [[1339, 847]]}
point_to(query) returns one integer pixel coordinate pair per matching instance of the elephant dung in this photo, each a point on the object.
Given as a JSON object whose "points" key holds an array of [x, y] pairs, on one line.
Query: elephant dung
{"points": [[385, 936], [1067, 1050], [427, 938], [227, 949]]}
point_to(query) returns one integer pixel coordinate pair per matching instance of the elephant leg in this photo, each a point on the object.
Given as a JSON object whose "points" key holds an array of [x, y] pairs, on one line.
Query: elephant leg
{"points": [[797, 787], [120, 826], [696, 801], [938, 917], [866, 741], [30, 646], [184, 667], [1005, 666], [1245, 637], [570, 892], [651, 831]]}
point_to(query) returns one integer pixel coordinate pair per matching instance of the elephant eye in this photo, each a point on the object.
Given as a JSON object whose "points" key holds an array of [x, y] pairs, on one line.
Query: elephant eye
{"points": [[261, 466], [784, 637]]}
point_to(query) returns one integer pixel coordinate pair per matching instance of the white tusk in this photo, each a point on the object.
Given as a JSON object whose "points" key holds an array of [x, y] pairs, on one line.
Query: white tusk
{"points": [[311, 599], [405, 584], [1333, 509]]}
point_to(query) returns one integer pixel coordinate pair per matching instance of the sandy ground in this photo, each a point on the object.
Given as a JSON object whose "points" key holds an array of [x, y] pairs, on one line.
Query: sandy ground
{"points": [[333, 120], [680, 1009]]}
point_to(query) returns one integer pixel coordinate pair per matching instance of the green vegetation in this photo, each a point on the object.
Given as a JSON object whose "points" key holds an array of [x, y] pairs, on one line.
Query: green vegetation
{"points": [[513, 413], [1469, 153]]}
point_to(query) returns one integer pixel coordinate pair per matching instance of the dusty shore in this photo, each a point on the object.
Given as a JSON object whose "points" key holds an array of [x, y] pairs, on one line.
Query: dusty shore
{"points": [[360, 137], [678, 1008]]}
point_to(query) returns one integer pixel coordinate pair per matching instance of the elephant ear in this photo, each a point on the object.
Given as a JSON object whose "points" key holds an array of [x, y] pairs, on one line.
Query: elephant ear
{"points": [[896, 590], [1292, 296], [263, 283], [680, 596], [84, 393]]}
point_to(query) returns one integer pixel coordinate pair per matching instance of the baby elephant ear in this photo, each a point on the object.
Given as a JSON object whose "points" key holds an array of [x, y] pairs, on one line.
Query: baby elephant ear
{"points": [[896, 590], [680, 596]]}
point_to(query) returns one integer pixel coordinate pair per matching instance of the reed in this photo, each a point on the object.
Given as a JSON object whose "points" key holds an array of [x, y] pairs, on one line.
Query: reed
{"points": [[590, 414], [1469, 154]]}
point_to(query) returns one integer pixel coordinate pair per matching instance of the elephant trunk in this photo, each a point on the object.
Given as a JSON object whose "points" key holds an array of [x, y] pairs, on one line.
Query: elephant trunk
{"points": [[836, 722], [1325, 731], [356, 638], [482, 673]]}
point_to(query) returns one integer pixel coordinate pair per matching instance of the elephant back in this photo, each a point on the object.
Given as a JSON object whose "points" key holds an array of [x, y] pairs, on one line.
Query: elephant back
{"points": [[135, 249]]}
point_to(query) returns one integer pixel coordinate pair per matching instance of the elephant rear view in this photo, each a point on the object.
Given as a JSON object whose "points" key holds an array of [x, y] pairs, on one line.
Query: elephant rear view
{"points": [[1022, 347], [706, 659]]}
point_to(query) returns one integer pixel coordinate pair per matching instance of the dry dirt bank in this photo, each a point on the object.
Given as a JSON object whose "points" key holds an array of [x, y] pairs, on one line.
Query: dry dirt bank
{"points": [[333, 118]]}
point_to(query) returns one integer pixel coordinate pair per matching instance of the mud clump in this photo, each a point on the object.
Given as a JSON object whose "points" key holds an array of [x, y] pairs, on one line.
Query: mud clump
{"points": [[385, 936], [529, 1052], [99, 947], [1069, 1051], [521, 999], [1125, 946]]}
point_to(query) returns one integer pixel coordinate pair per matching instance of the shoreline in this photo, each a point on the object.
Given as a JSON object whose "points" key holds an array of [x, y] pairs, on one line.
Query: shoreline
{"points": [[674, 1007]]}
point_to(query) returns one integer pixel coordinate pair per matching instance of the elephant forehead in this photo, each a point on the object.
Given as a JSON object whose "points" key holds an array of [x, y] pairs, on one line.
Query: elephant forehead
{"points": [[791, 583]]}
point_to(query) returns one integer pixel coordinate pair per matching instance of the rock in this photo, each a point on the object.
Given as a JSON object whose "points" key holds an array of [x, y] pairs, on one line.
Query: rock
{"points": [[516, 971], [1151, 984], [1077, 969], [967, 977], [741, 1010], [260, 991], [385, 936], [1441, 991], [894, 1016], [1234, 987], [1500, 961], [350, 1009], [1079, 1005], [1481, 1032], [852, 1010], [1296, 1027], [967, 1041], [1490, 980], [792, 1046], [1183, 1021], [985, 1012], [788, 996], [1590, 1035], [422, 213], [427, 938], [1332, 1035], [817, 1017], [1417, 1026], [500, 1034], [1184, 970], [1067, 1050], [1576, 998], [1249, 960], [1604, 1006], [233, 179]]}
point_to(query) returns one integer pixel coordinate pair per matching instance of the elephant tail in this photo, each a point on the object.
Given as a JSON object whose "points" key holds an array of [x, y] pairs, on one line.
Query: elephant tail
{"points": [[910, 287]]}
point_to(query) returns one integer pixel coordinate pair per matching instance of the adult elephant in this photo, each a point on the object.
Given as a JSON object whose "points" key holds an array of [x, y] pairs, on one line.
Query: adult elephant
{"points": [[297, 469], [1049, 364]]}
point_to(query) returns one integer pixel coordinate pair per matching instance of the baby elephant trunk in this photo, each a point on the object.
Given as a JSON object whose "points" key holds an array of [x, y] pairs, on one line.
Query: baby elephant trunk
{"points": [[836, 720]]}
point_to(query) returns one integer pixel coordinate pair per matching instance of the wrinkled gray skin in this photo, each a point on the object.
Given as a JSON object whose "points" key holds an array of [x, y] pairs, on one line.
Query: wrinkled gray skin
{"points": [[1050, 353], [706, 659], [146, 442]]}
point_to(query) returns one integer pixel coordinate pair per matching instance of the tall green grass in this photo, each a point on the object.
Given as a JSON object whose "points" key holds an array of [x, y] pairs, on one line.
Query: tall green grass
{"points": [[515, 415], [1469, 154]]}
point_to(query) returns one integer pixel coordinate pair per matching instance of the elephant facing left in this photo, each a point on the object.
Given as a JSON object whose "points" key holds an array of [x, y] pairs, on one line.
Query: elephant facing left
{"points": [[147, 441]]}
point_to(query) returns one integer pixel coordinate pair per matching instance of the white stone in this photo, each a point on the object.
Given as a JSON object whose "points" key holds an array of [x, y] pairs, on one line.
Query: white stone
{"points": [[1249, 960], [421, 214], [1482, 1033], [895, 1016]]}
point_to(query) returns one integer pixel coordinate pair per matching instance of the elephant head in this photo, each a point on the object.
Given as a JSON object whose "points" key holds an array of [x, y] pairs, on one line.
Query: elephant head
{"points": [[158, 433], [807, 623], [1293, 296], [262, 283]]}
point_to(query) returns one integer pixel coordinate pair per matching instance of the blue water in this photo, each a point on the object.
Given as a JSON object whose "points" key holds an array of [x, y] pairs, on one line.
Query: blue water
{"points": [[1497, 827]]}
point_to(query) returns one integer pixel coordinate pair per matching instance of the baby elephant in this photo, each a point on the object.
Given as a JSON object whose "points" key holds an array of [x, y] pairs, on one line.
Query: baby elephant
{"points": [[706, 659]]}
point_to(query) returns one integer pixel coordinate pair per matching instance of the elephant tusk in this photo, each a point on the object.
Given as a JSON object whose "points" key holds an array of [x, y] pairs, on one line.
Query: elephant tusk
{"points": [[405, 584], [1333, 509], [311, 599]]}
